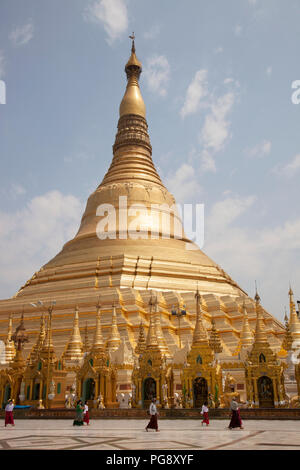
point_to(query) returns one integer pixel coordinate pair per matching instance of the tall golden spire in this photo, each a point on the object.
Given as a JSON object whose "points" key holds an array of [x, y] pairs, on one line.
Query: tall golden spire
{"points": [[287, 339], [151, 340], [261, 351], [141, 343], [200, 333], [48, 348], [10, 350], [294, 320], [260, 331], [86, 345], [246, 338], [114, 340], [132, 102], [98, 344], [132, 149], [158, 329], [214, 339], [74, 348], [40, 341]]}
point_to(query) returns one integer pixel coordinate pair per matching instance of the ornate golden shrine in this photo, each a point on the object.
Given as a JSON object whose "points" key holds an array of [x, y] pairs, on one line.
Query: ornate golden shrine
{"points": [[264, 372], [202, 375], [151, 376], [96, 378]]}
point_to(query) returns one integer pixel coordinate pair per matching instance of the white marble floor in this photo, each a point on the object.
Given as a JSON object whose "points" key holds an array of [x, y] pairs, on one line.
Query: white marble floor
{"points": [[115, 434]]}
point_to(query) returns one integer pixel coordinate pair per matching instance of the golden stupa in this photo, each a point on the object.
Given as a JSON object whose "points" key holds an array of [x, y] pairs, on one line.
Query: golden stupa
{"points": [[120, 274]]}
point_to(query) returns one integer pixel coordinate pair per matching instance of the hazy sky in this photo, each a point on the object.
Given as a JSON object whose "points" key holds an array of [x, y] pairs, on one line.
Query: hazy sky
{"points": [[217, 83]]}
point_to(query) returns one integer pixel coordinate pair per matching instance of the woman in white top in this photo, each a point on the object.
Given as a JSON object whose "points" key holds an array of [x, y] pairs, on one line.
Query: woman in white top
{"points": [[153, 419], [86, 418], [9, 419], [204, 412]]}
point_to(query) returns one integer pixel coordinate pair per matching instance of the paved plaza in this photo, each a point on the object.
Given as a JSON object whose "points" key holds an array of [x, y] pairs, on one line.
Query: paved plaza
{"points": [[115, 434]]}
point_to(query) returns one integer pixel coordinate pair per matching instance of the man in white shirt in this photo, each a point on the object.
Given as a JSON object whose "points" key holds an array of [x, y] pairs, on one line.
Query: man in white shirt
{"points": [[153, 416]]}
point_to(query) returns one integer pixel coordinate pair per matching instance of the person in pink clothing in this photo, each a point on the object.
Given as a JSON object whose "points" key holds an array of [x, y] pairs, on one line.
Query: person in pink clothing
{"points": [[204, 412], [9, 419]]}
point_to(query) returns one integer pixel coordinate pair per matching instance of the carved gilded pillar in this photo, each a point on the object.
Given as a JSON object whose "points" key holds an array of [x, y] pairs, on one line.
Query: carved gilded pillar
{"points": [[274, 381], [139, 395], [102, 385], [158, 394], [96, 387], [30, 390]]}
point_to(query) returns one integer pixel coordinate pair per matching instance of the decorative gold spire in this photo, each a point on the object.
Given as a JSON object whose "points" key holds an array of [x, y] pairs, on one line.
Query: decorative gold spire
{"points": [[215, 340], [246, 338], [47, 350], [40, 341], [86, 344], [158, 329], [19, 338], [132, 102], [74, 348], [141, 343], [288, 339], [151, 340], [115, 339], [98, 344], [260, 331], [10, 350], [200, 333], [294, 320]]}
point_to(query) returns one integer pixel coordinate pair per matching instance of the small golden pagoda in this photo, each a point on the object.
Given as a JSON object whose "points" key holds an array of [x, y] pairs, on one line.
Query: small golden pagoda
{"points": [[74, 349], [202, 375], [96, 378], [10, 350], [152, 376], [264, 372]]}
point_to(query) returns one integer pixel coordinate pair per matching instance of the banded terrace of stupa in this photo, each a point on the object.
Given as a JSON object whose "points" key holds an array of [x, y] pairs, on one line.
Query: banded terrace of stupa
{"points": [[120, 274]]}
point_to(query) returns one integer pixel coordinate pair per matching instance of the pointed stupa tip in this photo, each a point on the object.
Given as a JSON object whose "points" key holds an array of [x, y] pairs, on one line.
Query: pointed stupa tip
{"points": [[256, 298], [132, 102]]}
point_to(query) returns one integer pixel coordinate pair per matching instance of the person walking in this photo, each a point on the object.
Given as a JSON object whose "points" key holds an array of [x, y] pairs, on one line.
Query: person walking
{"points": [[86, 418], [235, 421], [204, 412], [78, 421], [9, 419], [153, 416]]}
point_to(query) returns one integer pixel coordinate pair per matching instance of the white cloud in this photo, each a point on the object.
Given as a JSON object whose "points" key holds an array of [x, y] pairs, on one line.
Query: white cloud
{"points": [[268, 254], [260, 150], [112, 14], [290, 169], [31, 236], [183, 184], [196, 91], [2, 64], [157, 74], [215, 131], [21, 35]]}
